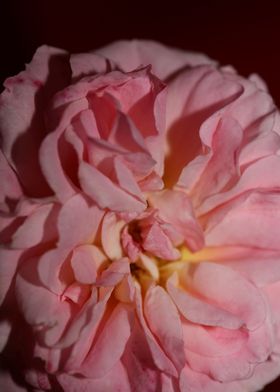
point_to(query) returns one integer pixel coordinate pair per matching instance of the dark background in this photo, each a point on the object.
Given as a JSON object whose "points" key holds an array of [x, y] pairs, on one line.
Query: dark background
{"points": [[244, 33]]}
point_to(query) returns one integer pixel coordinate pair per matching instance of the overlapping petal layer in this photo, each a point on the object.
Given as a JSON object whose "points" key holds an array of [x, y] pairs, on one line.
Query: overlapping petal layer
{"points": [[139, 224]]}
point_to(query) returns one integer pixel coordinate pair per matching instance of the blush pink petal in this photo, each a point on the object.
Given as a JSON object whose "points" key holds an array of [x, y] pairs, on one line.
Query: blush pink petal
{"points": [[223, 369], [50, 270], [77, 222], [169, 203], [114, 273], [129, 55], [115, 380], [126, 179], [263, 374], [220, 165], [231, 291], [109, 346], [21, 125], [38, 227], [81, 333], [260, 267], [39, 306], [86, 261], [209, 90], [83, 64], [164, 321], [213, 341], [156, 241], [192, 381], [159, 356], [111, 236], [249, 224], [262, 175], [49, 155], [106, 194], [187, 111], [251, 107], [137, 358], [200, 312], [260, 147]]}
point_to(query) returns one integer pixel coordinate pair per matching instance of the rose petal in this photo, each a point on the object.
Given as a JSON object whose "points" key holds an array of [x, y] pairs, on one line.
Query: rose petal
{"points": [[164, 321], [129, 55], [106, 194], [108, 347], [231, 291]]}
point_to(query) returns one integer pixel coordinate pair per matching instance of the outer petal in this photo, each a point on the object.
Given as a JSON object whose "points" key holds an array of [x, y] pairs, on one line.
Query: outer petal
{"points": [[129, 55], [115, 380], [22, 114], [254, 223], [77, 222], [198, 311], [263, 175], [230, 290], [164, 321], [109, 346]]}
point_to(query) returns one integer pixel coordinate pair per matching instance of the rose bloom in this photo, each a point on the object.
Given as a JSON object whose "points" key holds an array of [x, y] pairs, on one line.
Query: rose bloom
{"points": [[140, 221]]}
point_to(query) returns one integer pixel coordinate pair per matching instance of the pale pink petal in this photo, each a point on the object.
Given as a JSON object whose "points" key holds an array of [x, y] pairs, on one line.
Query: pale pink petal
{"points": [[109, 346], [251, 106], [38, 227], [249, 224], [231, 291], [208, 90], [125, 290], [264, 373], [106, 194], [141, 369], [175, 208], [262, 175], [115, 380], [161, 360], [220, 165], [129, 55], [158, 243], [83, 329], [224, 369], [126, 179], [21, 114], [164, 321], [77, 222], [50, 270], [201, 312], [260, 147], [85, 261], [192, 381], [187, 109], [114, 273], [262, 268], [214, 342], [83, 64], [111, 235], [37, 303], [50, 161]]}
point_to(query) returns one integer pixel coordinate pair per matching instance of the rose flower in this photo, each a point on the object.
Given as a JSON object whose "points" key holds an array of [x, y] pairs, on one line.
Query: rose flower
{"points": [[140, 221]]}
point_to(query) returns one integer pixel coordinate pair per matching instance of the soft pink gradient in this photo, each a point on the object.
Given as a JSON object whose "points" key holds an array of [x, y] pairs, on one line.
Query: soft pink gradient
{"points": [[140, 224]]}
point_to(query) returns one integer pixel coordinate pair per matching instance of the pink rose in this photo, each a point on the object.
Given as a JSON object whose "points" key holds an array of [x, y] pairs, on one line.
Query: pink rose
{"points": [[139, 224]]}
